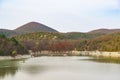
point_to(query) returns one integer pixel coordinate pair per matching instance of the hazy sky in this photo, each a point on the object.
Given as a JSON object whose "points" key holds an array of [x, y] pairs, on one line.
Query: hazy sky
{"points": [[62, 15]]}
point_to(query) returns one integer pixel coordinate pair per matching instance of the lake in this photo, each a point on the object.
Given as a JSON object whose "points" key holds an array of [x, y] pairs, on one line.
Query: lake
{"points": [[58, 68]]}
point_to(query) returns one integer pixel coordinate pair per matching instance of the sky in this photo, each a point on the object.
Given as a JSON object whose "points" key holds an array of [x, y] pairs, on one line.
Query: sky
{"points": [[62, 15]]}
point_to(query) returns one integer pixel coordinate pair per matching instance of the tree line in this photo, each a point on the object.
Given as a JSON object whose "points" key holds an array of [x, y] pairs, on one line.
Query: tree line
{"points": [[110, 42]]}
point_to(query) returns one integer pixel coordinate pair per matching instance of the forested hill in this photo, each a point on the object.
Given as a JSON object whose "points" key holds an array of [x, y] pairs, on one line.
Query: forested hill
{"points": [[10, 47], [110, 42], [65, 41], [105, 31], [56, 36]]}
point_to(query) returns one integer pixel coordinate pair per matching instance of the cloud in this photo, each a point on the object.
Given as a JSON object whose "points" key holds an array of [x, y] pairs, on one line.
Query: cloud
{"points": [[59, 5], [67, 14]]}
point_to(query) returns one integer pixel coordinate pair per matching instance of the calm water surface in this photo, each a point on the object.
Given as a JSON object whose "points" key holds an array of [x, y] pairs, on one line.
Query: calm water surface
{"points": [[58, 68]]}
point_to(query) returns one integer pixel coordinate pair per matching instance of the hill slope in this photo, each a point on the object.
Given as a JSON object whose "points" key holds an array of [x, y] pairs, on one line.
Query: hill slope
{"points": [[8, 32], [34, 27], [110, 42], [105, 31], [56, 36]]}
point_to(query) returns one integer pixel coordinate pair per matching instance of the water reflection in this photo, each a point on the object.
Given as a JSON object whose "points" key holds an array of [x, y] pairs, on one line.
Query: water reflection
{"points": [[104, 60], [58, 68], [7, 71], [9, 67], [33, 69]]}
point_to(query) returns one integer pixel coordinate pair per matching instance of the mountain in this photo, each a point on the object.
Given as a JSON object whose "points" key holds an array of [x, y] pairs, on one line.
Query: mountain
{"points": [[105, 31], [8, 32], [27, 28], [33, 27]]}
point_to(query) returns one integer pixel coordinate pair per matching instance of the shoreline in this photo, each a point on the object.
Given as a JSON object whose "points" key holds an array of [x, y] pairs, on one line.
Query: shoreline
{"points": [[77, 53], [12, 58], [72, 53], [101, 54]]}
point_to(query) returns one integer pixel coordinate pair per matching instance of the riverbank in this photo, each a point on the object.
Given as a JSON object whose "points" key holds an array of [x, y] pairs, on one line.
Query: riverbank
{"points": [[77, 53], [17, 57], [97, 53]]}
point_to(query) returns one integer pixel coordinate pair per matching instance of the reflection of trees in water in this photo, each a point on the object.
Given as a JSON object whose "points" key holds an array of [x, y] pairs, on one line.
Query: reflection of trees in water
{"points": [[8, 67], [7, 71], [105, 60]]}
